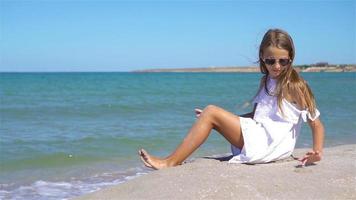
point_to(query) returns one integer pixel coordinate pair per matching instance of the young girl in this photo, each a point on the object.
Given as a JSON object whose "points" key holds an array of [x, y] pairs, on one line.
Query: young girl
{"points": [[284, 100]]}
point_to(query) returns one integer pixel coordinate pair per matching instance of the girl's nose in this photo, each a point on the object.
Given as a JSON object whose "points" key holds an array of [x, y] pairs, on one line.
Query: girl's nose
{"points": [[277, 65]]}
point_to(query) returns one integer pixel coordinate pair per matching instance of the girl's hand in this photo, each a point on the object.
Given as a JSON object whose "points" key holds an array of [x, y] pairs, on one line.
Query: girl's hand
{"points": [[198, 112], [311, 157]]}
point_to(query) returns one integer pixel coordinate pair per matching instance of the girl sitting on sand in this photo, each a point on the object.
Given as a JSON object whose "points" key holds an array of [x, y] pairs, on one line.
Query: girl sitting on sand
{"points": [[284, 100]]}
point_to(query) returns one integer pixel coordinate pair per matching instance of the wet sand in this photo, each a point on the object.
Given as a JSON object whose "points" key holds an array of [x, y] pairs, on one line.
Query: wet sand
{"points": [[210, 178]]}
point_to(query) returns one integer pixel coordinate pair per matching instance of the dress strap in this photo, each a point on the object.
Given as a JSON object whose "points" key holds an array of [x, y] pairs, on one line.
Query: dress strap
{"points": [[307, 115], [291, 113]]}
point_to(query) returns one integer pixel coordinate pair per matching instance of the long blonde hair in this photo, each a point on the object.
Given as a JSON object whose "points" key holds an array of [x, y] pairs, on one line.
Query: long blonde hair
{"points": [[295, 85]]}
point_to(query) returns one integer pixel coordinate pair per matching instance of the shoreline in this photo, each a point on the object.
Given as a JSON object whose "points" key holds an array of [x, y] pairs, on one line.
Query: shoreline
{"points": [[210, 178], [255, 69]]}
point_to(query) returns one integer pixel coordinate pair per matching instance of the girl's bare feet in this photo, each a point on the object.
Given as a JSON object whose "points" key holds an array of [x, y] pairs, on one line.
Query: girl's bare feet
{"points": [[151, 161], [144, 160]]}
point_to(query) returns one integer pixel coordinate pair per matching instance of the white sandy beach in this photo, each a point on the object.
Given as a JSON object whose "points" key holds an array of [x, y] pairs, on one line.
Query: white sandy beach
{"points": [[332, 178]]}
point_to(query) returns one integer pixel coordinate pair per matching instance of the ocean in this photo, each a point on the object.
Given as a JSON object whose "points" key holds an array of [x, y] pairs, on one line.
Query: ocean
{"points": [[67, 134]]}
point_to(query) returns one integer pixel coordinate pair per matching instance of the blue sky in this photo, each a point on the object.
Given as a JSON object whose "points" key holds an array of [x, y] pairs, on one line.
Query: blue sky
{"points": [[89, 35]]}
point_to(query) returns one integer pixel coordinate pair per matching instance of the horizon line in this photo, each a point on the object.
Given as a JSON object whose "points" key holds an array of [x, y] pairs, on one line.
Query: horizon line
{"points": [[145, 69]]}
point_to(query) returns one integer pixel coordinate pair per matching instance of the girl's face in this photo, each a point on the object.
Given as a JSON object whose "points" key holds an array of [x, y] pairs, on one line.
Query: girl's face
{"points": [[275, 60]]}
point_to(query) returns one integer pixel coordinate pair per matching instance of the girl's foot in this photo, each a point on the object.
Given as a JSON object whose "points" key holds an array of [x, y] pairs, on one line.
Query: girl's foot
{"points": [[143, 160], [151, 161]]}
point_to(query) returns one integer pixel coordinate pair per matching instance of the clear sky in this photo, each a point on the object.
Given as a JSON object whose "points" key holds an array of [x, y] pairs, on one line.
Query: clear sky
{"points": [[88, 35]]}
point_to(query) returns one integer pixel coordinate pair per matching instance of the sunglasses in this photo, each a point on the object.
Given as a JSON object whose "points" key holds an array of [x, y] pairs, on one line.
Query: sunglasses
{"points": [[283, 61]]}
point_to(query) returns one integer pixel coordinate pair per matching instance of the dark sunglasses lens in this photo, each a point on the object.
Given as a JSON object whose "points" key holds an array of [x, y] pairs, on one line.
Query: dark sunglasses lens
{"points": [[284, 62], [270, 61]]}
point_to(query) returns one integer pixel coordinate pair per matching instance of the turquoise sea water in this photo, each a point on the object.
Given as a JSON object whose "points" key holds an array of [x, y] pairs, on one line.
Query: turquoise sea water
{"points": [[67, 134]]}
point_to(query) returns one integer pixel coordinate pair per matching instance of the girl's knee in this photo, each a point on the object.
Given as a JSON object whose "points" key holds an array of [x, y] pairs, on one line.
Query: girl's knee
{"points": [[211, 111]]}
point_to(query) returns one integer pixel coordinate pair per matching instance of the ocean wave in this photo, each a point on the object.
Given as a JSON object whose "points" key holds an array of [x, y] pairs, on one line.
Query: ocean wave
{"points": [[42, 189]]}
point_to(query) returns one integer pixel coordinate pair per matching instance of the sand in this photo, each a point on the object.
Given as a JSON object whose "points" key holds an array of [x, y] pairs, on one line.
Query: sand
{"points": [[207, 178]]}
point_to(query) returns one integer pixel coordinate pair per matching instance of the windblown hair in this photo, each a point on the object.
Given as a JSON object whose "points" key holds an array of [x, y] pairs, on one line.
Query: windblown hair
{"points": [[289, 80]]}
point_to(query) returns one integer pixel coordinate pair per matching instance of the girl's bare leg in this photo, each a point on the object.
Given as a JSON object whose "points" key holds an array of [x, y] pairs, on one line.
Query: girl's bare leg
{"points": [[212, 117]]}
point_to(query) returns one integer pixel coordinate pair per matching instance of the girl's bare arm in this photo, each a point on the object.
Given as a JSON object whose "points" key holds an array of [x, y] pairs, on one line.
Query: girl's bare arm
{"points": [[317, 129], [318, 142]]}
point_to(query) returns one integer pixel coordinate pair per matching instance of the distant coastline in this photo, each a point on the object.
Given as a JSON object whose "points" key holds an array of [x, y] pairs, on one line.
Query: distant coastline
{"points": [[318, 67]]}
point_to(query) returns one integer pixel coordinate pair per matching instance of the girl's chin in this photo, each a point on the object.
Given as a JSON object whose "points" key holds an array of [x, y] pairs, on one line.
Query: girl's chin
{"points": [[275, 74]]}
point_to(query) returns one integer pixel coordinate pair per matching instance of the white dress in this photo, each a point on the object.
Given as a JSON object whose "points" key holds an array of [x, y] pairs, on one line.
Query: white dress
{"points": [[270, 135]]}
